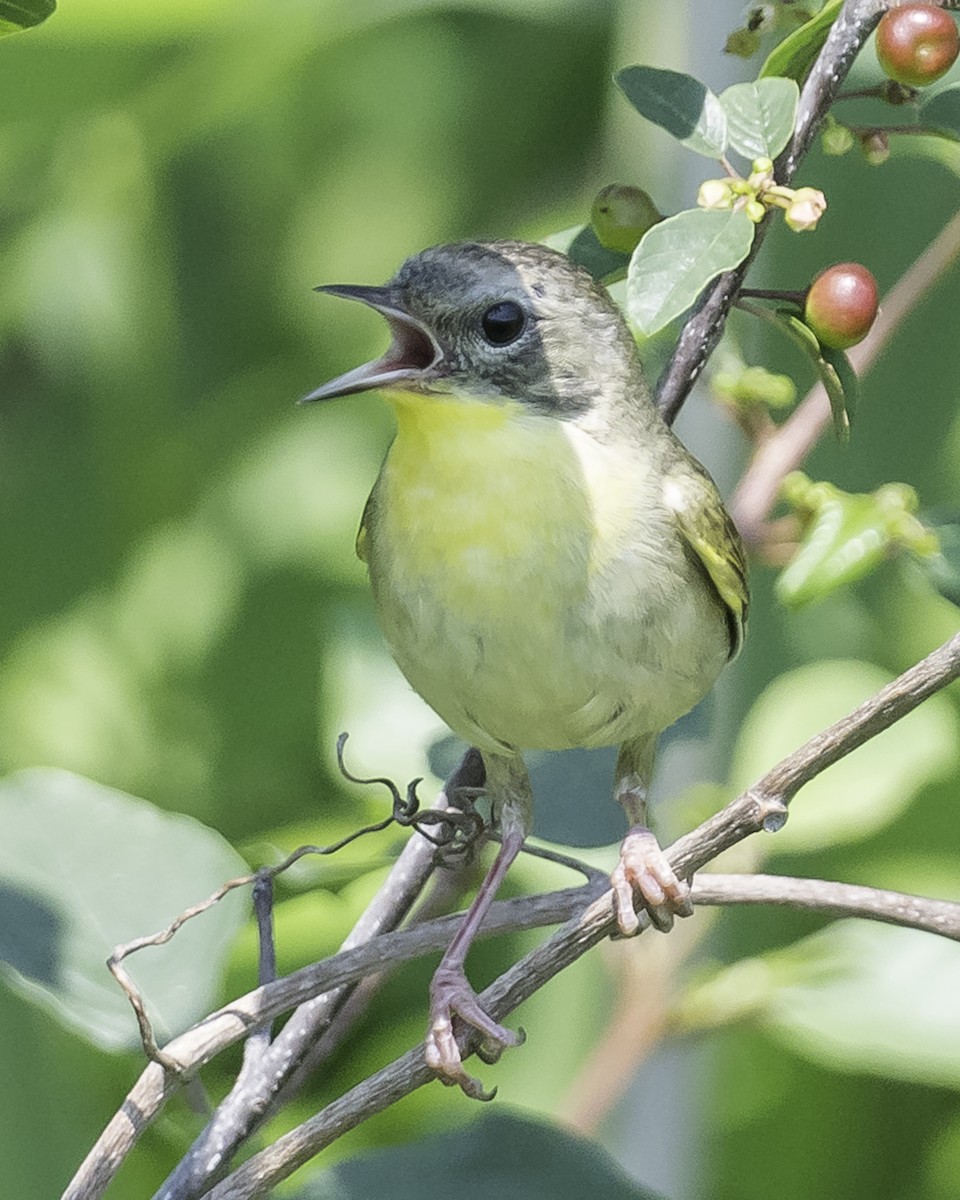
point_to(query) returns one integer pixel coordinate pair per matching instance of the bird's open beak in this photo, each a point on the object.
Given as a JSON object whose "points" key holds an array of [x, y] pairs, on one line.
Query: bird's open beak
{"points": [[412, 352]]}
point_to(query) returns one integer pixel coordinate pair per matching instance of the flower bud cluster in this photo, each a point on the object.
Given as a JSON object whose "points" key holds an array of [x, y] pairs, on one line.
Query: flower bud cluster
{"points": [[802, 207]]}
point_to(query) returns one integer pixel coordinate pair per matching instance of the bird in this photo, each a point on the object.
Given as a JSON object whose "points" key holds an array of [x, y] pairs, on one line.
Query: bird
{"points": [[550, 566]]}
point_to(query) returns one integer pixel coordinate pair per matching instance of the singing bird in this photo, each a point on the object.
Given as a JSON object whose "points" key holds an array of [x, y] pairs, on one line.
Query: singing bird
{"points": [[550, 566]]}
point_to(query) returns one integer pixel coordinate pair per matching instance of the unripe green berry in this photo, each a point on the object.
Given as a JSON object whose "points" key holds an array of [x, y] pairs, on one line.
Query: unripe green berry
{"points": [[621, 215], [917, 43], [841, 305]]}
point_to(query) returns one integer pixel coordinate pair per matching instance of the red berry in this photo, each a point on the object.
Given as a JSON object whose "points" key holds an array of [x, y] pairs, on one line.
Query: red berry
{"points": [[917, 43], [841, 305]]}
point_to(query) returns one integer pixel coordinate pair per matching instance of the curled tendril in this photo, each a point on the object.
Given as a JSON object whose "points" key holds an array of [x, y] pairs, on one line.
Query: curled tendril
{"points": [[457, 829]]}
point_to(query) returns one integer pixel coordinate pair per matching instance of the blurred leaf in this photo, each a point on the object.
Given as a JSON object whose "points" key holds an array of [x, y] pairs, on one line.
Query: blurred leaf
{"points": [[863, 996], [847, 535], [941, 111], [749, 386], [678, 257], [83, 868], [743, 43], [870, 787], [796, 54], [760, 115], [603, 264], [497, 1155], [679, 104], [24, 14], [943, 568], [832, 366]]}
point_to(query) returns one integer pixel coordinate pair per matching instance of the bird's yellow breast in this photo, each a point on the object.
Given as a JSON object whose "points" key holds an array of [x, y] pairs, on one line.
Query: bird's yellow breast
{"points": [[478, 500]]}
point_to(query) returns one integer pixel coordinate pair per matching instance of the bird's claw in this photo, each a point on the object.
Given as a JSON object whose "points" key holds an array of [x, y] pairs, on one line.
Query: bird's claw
{"points": [[644, 871], [452, 996]]}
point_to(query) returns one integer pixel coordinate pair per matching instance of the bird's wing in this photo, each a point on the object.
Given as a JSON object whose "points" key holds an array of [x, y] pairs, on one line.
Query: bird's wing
{"points": [[709, 531], [361, 543]]}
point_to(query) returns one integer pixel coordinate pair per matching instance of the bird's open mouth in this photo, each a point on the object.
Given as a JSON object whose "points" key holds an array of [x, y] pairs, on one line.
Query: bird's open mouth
{"points": [[409, 358]]}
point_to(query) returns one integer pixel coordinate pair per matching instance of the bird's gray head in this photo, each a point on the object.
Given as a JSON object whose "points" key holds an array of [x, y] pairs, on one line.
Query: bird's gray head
{"points": [[497, 321]]}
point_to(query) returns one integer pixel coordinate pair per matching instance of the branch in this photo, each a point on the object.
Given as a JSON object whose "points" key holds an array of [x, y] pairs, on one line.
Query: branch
{"points": [[785, 449], [409, 1072], [764, 806], [704, 328]]}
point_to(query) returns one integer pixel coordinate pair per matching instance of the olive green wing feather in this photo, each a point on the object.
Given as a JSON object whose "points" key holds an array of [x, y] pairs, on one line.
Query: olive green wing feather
{"points": [[709, 531], [362, 535]]}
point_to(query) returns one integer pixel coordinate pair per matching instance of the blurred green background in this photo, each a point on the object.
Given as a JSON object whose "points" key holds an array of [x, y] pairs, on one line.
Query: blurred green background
{"points": [[183, 617]]}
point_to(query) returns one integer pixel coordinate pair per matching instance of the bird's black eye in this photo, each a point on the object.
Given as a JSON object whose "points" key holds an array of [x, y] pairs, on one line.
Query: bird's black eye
{"points": [[502, 323]]}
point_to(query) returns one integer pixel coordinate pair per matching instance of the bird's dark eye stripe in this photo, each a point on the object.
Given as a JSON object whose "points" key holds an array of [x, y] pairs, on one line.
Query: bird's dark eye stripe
{"points": [[503, 323]]}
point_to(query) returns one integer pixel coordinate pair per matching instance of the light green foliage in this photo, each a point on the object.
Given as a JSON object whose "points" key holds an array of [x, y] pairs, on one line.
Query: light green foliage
{"points": [[85, 868], [870, 787], [846, 536], [760, 116], [677, 258]]}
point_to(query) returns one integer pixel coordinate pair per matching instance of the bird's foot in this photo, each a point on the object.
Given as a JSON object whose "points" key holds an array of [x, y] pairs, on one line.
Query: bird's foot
{"points": [[644, 871], [452, 996]]}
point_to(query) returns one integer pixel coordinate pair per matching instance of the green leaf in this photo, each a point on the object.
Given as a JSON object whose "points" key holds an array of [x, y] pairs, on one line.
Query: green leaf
{"points": [[678, 257], [679, 104], [603, 264], [862, 996], [23, 14], [869, 788], [847, 379], [833, 368], [83, 868], [497, 1155], [796, 54], [760, 116], [941, 111], [845, 540], [943, 567]]}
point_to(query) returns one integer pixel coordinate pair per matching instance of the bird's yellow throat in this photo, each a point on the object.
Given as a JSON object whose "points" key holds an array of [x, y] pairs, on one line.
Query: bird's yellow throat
{"points": [[470, 488]]}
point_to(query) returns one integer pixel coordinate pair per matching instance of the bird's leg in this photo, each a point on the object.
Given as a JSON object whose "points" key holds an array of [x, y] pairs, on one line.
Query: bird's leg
{"points": [[643, 869], [450, 992]]}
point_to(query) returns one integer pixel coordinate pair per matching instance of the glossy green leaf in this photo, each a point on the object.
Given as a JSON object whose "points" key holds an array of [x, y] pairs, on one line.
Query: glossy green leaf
{"points": [[24, 14], [941, 111], [870, 787], [498, 1155], [677, 258], [760, 116], [796, 54], [83, 868], [679, 104], [603, 264]]}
